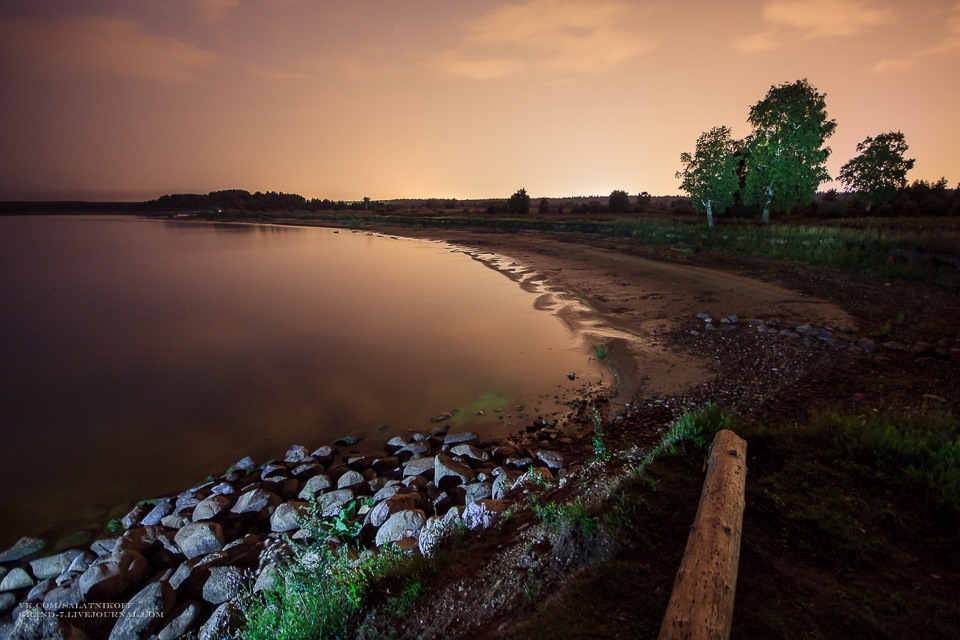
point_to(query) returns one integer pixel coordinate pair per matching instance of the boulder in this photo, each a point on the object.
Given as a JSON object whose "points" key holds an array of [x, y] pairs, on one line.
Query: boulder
{"points": [[144, 611], [469, 451], [135, 515], [477, 491], [7, 602], [223, 488], [419, 467], [39, 590], [459, 438], [63, 597], [414, 450], [22, 548], [448, 473], [222, 584], [552, 459], [179, 621], [111, 577], [287, 516], [255, 501], [15, 580], [403, 524], [503, 483], [316, 484], [162, 509], [244, 464], [332, 502], [200, 538], [296, 453], [483, 514], [222, 623], [394, 504], [211, 507], [394, 443], [323, 454], [35, 625], [350, 479], [175, 521], [434, 532], [51, 566], [190, 576]]}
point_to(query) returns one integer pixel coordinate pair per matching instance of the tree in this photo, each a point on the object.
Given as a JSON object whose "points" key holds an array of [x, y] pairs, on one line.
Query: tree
{"points": [[643, 200], [619, 201], [544, 207], [880, 170], [786, 156], [519, 202], [709, 174]]}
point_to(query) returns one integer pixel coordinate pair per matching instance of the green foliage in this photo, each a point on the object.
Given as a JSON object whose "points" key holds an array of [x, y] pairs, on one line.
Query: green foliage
{"points": [[544, 207], [601, 352], [786, 157], [709, 175], [619, 201], [600, 453], [880, 170], [519, 202]]}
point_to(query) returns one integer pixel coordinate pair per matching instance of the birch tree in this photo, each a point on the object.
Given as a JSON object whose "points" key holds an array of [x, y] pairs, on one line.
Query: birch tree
{"points": [[786, 156], [709, 174], [880, 170]]}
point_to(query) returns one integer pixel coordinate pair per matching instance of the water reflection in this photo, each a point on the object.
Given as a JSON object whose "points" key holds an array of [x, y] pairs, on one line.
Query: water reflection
{"points": [[139, 355]]}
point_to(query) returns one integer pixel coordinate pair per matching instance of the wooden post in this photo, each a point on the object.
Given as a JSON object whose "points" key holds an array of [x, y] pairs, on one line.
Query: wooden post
{"points": [[701, 605]]}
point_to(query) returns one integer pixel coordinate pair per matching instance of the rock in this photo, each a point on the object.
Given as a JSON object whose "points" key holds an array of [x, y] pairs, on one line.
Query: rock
{"points": [[296, 453], [104, 546], [33, 624], [332, 503], [316, 484], [478, 491], [144, 611], [192, 574], [403, 524], [179, 621], [269, 470], [61, 598], [419, 467], [387, 463], [459, 438], [395, 504], [307, 469], [175, 521], [22, 548], [504, 482], [51, 566], [350, 479], [440, 417], [552, 459], [39, 590], [386, 492], [211, 507], [223, 488], [483, 514], [571, 376], [255, 500], [244, 464], [15, 580], [200, 538], [347, 441], [414, 449], [287, 516], [162, 509], [433, 533], [112, 576], [323, 454], [469, 451], [448, 473], [703, 316], [222, 623], [394, 443], [267, 579], [222, 585], [82, 562], [135, 515], [7, 602]]}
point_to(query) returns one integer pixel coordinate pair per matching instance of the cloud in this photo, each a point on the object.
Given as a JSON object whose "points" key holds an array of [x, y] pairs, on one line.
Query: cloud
{"points": [[949, 42], [805, 19], [215, 10], [100, 45], [552, 36]]}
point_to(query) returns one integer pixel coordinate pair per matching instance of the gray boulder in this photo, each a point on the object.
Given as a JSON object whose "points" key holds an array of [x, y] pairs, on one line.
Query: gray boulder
{"points": [[175, 521], [15, 580], [448, 473], [403, 524], [255, 501], [160, 510], [459, 438], [503, 483], [200, 538], [350, 479], [469, 451], [135, 515], [211, 507], [316, 484], [144, 611], [179, 621], [51, 566], [419, 467], [222, 623], [222, 585], [7, 602], [223, 488], [483, 514], [552, 459], [22, 548], [244, 464], [287, 516], [62, 598], [39, 590], [332, 503], [112, 576], [434, 532], [296, 453], [394, 504], [33, 624], [477, 491]]}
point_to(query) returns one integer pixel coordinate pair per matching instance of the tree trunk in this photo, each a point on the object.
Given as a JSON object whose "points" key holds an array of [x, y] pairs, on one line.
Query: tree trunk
{"points": [[765, 218], [701, 605], [709, 206]]}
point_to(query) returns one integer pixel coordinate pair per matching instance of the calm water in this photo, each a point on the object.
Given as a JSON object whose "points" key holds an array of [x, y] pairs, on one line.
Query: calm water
{"points": [[137, 356]]}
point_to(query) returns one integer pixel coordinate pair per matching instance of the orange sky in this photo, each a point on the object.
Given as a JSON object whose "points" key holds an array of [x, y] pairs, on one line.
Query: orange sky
{"points": [[110, 99]]}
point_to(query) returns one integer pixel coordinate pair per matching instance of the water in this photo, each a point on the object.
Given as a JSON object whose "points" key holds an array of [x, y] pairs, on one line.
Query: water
{"points": [[137, 356]]}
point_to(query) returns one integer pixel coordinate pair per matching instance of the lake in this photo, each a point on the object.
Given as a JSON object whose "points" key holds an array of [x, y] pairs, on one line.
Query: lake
{"points": [[137, 355]]}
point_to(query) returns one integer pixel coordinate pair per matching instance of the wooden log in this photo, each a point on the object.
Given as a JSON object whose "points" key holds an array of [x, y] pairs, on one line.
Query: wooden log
{"points": [[701, 605]]}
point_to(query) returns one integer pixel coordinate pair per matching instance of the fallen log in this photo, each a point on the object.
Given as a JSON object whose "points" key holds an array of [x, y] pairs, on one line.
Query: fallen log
{"points": [[701, 605]]}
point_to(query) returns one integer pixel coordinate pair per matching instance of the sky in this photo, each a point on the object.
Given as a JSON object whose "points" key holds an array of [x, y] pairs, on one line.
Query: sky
{"points": [[120, 100]]}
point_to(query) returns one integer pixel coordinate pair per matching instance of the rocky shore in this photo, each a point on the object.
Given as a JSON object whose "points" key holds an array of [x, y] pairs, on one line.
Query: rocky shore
{"points": [[182, 561]]}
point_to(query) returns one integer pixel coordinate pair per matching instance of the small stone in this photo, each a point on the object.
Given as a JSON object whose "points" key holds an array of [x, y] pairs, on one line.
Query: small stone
{"points": [[478, 491], [22, 548], [572, 376], [244, 464], [223, 488]]}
